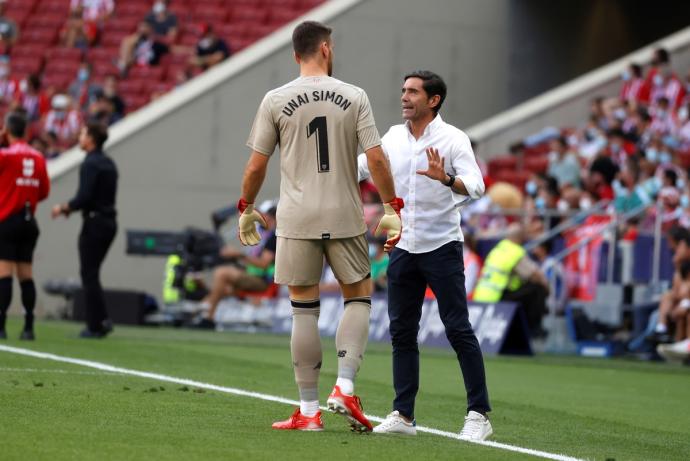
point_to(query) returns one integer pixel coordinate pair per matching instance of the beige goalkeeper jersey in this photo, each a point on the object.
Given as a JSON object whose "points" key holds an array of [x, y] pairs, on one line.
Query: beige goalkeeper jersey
{"points": [[318, 122]]}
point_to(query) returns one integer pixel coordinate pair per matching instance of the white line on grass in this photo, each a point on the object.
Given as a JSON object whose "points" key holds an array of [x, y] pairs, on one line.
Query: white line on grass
{"points": [[58, 371], [257, 395]]}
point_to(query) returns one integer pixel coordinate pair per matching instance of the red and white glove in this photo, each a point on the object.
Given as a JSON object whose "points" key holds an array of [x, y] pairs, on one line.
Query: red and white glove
{"points": [[391, 223], [247, 224]]}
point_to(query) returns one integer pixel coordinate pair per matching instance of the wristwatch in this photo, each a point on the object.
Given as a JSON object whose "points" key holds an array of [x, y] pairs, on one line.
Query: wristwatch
{"points": [[451, 180]]}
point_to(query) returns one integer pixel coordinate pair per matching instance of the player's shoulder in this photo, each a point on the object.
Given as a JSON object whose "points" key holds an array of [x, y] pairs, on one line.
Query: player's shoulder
{"points": [[348, 86]]}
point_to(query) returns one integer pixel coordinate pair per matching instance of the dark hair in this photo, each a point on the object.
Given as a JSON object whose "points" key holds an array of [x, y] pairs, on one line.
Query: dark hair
{"points": [[563, 141], [679, 234], [636, 69], [663, 100], [98, 133], [671, 175], [617, 132], [308, 36], [16, 123], [432, 83], [661, 56]]}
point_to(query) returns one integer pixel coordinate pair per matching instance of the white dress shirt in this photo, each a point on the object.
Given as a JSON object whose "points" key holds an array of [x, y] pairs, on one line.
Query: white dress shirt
{"points": [[431, 215]]}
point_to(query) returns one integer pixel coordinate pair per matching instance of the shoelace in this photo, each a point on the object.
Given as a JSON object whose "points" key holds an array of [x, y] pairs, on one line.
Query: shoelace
{"points": [[471, 427]]}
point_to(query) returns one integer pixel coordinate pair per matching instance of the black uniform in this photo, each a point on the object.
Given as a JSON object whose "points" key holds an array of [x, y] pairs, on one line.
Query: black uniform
{"points": [[96, 200]]}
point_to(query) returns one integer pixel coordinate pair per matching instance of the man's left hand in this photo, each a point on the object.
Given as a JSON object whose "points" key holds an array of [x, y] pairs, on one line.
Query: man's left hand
{"points": [[436, 169], [247, 225]]}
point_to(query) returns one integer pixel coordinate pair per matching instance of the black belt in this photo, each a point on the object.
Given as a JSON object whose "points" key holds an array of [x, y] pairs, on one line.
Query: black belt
{"points": [[99, 214]]}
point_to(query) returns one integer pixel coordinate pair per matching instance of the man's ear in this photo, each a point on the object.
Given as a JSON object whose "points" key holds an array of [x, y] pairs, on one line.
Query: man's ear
{"points": [[298, 60], [434, 101]]}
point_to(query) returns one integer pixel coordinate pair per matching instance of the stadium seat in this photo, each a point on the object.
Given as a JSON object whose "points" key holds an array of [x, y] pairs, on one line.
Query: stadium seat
{"points": [[64, 53], [502, 162], [209, 13], [125, 24], [45, 20], [27, 65], [132, 11], [516, 178], [282, 15], [154, 73], [537, 164], [249, 14], [39, 36]]}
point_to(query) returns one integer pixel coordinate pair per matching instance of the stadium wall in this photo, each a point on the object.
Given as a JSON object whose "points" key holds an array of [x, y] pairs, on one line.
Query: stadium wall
{"points": [[183, 155]]}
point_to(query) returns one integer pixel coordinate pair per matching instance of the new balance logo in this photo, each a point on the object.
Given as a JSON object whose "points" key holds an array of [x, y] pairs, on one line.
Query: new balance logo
{"points": [[342, 354]]}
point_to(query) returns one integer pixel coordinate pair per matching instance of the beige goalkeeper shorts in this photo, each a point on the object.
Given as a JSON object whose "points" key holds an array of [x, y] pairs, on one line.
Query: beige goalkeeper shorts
{"points": [[299, 262]]}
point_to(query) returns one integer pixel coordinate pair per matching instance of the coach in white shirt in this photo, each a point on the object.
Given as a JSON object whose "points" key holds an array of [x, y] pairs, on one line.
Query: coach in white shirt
{"points": [[435, 171]]}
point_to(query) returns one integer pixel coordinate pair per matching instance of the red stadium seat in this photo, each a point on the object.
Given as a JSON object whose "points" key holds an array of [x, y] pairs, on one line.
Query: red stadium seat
{"points": [[209, 14], [120, 25], [305, 5], [132, 11], [282, 15], [27, 65], [39, 36], [537, 164], [152, 73], [250, 14], [64, 53], [22, 49], [45, 20], [130, 87], [516, 178], [287, 4], [502, 162], [113, 39]]}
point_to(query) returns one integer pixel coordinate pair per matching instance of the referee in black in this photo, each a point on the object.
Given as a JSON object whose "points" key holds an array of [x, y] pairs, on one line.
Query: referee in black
{"points": [[96, 200]]}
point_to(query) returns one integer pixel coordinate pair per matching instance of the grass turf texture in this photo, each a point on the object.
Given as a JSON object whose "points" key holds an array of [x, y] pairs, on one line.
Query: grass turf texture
{"points": [[594, 409]]}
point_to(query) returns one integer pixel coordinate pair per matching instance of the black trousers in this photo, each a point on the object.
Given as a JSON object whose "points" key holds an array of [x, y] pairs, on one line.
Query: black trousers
{"points": [[532, 298], [97, 234], [408, 275]]}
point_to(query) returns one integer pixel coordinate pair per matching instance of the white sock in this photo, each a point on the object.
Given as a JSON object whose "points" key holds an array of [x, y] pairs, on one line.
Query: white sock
{"points": [[309, 408], [347, 386], [660, 328]]}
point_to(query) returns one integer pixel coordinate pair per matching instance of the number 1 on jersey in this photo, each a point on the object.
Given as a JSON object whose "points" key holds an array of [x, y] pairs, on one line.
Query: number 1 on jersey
{"points": [[318, 126]]}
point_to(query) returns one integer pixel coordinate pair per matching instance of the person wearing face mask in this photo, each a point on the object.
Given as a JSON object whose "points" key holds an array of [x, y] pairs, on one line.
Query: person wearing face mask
{"points": [[634, 88], [564, 166], [82, 90], [163, 22], [62, 121], [9, 32], [86, 21], [141, 49], [660, 58], [664, 121], [9, 86], [210, 50], [666, 84]]}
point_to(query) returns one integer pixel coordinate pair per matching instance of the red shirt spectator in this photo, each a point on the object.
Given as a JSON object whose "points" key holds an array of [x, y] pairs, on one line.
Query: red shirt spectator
{"points": [[23, 178], [667, 86], [634, 88], [63, 121], [32, 99]]}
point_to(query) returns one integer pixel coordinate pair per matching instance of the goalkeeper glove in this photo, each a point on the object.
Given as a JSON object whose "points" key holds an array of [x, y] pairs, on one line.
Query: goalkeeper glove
{"points": [[247, 225], [391, 223]]}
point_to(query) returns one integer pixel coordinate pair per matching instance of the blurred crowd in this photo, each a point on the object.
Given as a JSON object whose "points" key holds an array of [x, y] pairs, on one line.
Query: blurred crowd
{"points": [[106, 81]]}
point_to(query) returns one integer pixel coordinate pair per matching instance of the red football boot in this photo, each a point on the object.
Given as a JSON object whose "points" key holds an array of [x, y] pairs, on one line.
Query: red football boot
{"points": [[299, 422], [350, 407]]}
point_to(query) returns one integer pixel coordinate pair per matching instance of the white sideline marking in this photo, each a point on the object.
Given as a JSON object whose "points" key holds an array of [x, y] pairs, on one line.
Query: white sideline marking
{"points": [[58, 371], [260, 396]]}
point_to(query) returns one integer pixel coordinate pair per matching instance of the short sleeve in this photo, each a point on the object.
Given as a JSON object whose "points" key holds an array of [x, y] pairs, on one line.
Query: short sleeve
{"points": [[367, 134], [525, 268], [264, 135]]}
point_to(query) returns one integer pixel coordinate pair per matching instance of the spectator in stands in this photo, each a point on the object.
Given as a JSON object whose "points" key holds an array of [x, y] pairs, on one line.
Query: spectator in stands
{"points": [[257, 274], [9, 32], [142, 48], [563, 163], [163, 22], [33, 99], [40, 145], [210, 49], [107, 106], [510, 275], [82, 89], [86, 21], [684, 127], [553, 271], [680, 349], [664, 120], [666, 84], [660, 60], [678, 239], [62, 121], [9, 86], [635, 89], [602, 172], [517, 150]]}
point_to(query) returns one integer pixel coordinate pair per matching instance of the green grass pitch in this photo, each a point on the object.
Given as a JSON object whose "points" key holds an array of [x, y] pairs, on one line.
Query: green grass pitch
{"points": [[586, 408]]}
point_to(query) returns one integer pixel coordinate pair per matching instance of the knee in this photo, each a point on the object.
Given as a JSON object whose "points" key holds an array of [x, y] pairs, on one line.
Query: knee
{"points": [[403, 336]]}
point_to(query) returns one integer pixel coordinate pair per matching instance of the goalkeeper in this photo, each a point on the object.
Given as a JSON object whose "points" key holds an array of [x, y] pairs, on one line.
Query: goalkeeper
{"points": [[318, 121]]}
